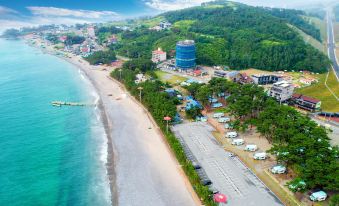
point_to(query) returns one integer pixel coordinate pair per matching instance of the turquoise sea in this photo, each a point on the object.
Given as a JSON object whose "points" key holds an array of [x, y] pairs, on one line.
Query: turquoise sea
{"points": [[48, 155]]}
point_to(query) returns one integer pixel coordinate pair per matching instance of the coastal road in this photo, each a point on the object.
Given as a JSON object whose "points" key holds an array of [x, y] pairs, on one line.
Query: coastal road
{"points": [[331, 42], [229, 175]]}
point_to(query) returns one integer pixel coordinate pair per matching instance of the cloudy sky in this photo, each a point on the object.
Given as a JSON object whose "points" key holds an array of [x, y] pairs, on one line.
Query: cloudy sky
{"points": [[18, 13]]}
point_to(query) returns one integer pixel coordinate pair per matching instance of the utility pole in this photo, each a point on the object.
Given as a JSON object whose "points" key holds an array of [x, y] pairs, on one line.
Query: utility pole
{"points": [[140, 89]]}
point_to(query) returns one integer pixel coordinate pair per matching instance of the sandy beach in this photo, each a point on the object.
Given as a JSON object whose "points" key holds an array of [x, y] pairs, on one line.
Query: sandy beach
{"points": [[141, 168], [146, 172]]}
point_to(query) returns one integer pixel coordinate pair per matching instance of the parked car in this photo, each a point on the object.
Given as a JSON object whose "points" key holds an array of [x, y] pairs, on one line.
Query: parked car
{"points": [[226, 126], [216, 105], [278, 169], [231, 134], [218, 114], [297, 186], [318, 196], [251, 148], [224, 119], [196, 165], [238, 142], [260, 156], [231, 155], [206, 182]]}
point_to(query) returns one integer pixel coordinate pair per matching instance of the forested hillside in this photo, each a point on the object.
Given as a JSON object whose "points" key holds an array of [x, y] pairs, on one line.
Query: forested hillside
{"points": [[294, 17], [233, 34]]}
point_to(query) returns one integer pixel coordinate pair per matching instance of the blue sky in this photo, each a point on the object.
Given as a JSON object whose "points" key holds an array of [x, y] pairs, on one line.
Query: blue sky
{"points": [[120, 6], [18, 13]]}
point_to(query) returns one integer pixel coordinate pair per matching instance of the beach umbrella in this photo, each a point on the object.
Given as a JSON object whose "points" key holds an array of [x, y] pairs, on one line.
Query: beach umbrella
{"points": [[167, 119], [220, 198]]}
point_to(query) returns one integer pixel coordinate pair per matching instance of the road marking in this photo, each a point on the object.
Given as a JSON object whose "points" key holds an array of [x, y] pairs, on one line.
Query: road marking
{"points": [[329, 89], [227, 177]]}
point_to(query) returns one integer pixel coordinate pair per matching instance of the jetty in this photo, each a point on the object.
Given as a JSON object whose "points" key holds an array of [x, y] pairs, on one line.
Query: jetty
{"points": [[61, 103]]}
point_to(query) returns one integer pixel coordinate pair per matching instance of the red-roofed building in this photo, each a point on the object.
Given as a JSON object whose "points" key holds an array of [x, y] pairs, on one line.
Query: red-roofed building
{"points": [[63, 38], [158, 56], [197, 72], [245, 79], [307, 103]]}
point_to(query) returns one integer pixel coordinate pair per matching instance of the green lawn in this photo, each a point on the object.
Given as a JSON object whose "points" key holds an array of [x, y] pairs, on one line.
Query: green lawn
{"points": [[333, 83], [170, 78], [184, 24], [319, 91]]}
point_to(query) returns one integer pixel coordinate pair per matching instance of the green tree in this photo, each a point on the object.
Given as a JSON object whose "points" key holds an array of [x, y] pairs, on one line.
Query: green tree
{"points": [[334, 201]]}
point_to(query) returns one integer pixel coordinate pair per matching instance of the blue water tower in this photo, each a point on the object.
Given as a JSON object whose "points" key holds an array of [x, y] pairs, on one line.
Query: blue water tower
{"points": [[185, 54]]}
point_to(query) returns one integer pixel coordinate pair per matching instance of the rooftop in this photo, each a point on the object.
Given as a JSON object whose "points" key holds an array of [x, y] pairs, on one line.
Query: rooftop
{"points": [[158, 51], [282, 84], [262, 75], [186, 42], [305, 98]]}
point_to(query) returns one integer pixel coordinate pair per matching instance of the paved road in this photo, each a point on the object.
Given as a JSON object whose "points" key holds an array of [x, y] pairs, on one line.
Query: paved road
{"points": [[331, 42], [228, 175]]}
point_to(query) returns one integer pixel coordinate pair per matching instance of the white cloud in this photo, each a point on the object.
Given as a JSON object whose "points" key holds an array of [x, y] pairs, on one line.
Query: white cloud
{"points": [[61, 12], [51, 15], [169, 5], [5, 10]]}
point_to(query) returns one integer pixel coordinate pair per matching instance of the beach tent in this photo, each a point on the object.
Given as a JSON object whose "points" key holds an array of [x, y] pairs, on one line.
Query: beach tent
{"points": [[220, 198]]}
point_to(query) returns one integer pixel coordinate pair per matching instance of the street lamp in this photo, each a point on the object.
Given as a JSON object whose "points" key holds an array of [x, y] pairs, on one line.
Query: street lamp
{"points": [[140, 89], [167, 119]]}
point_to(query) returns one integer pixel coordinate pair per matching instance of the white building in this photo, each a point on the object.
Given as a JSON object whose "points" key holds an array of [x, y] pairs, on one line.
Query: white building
{"points": [[158, 56], [282, 91]]}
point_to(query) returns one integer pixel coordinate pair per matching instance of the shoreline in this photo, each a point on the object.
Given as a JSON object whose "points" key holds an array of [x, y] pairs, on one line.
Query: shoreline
{"points": [[105, 120], [166, 183]]}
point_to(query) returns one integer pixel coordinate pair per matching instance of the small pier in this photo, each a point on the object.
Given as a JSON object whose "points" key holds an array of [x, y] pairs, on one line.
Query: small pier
{"points": [[60, 103]]}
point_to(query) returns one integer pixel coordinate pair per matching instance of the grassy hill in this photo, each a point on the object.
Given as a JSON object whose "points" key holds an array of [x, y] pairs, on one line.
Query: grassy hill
{"points": [[319, 91], [232, 34]]}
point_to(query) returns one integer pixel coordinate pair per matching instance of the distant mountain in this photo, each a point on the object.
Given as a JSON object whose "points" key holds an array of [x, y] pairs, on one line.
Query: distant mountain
{"points": [[234, 34]]}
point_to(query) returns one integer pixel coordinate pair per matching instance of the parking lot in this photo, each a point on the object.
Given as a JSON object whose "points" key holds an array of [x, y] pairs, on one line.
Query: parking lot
{"points": [[228, 174]]}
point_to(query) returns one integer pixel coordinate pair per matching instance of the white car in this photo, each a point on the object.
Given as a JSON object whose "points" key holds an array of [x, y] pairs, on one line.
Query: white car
{"points": [[231, 134], [238, 142], [278, 169], [251, 148], [260, 156], [318, 196], [224, 119], [218, 115]]}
